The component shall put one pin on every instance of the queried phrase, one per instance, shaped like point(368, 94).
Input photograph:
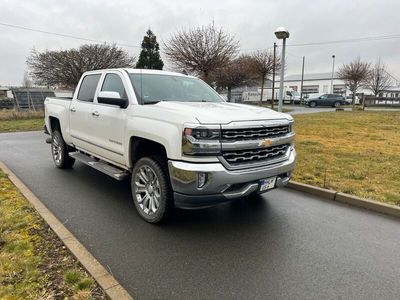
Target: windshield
point(151, 88)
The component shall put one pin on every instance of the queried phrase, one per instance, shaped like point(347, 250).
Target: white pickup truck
point(177, 140)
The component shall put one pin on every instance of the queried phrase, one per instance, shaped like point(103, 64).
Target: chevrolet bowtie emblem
point(265, 143)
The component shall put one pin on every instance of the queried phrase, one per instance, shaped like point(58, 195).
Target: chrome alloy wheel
point(56, 149)
point(147, 189)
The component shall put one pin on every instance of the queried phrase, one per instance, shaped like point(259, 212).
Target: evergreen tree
point(150, 55)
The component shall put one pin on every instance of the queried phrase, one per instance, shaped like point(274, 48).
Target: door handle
point(72, 109)
point(95, 113)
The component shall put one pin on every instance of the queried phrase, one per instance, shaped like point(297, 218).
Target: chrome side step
point(101, 166)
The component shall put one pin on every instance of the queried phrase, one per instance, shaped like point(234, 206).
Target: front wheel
point(59, 151)
point(151, 190)
point(313, 104)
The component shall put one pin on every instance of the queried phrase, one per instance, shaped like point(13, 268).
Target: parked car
point(177, 140)
point(334, 100)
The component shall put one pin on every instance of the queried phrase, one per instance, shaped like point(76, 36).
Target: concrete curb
point(106, 281)
point(376, 206)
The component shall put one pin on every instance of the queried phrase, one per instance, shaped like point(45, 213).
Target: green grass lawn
point(34, 263)
point(352, 152)
point(11, 120)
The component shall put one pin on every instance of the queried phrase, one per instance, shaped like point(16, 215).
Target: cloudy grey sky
point(252, 22)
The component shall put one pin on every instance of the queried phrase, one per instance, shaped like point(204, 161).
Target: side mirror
point(112, 98)
point(319, 97)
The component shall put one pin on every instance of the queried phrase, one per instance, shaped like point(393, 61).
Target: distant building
point(391, 92)
point(5, 92)
point(316, 83)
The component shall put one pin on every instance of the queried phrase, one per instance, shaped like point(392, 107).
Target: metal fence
point(31, 99)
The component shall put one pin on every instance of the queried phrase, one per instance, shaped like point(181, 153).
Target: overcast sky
point(252, 22)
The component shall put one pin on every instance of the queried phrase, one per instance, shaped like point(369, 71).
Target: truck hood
point(221, 113)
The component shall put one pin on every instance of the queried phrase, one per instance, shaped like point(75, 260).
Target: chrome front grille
point(255, 156)
point(254, 133)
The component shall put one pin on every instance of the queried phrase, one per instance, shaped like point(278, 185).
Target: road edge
point(369, 204)
point(106, 281)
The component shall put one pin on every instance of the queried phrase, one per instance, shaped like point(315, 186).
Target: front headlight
point(201, 140)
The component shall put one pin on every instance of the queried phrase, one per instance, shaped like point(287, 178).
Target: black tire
point(59, 151)
point(336, 104)
point(312, 104)
point(158, 189)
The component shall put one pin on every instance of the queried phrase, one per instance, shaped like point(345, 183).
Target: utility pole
point(273, 78)
point(302, 79)
point(333, 72)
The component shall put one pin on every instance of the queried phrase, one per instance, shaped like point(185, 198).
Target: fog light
point(201, 179)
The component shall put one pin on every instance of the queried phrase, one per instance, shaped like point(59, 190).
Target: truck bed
point(59, 98)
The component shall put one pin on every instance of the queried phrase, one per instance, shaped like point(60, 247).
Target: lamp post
point(333, 72)
point(282, 34)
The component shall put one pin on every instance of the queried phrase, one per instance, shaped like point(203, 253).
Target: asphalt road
point(288, 245)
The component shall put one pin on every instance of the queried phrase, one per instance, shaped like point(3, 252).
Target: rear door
point(331, 99)
point(80, 116)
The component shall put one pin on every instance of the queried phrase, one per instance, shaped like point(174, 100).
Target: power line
point(294, 55)
point(344, 41)
point(353, 40)
point(64, 35)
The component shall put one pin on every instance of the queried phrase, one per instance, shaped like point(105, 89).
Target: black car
point(334, 100)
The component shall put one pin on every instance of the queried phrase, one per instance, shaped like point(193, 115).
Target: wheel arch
point(141, 147)
point(54, 124)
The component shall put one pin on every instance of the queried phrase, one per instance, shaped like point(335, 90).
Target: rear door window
point(88, 87)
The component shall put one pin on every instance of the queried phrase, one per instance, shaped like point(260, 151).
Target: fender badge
point(265, 143)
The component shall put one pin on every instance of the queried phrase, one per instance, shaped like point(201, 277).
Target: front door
point(323, 100)
point(110, 121)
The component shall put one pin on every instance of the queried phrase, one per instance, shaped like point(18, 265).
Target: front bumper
point(221, 184)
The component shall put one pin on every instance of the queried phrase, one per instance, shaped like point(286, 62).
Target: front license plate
point(267, 184)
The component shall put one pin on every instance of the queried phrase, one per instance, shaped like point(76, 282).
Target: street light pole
point(282, 34)
point(282, 76)
point(333, 72)
point(302, 79)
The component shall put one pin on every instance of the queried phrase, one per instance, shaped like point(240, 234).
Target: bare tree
point(263, 66)
point(378, 79)
point(201, 50)
point(354, 74)
point(65, 67)
point(235, 73)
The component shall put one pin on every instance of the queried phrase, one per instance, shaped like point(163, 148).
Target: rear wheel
point(336, 104)
point(59, 151)
point(151, 190)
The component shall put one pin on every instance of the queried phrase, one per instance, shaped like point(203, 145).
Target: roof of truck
point(141, 71)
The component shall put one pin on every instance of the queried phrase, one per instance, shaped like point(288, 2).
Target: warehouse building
point(316, 83)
